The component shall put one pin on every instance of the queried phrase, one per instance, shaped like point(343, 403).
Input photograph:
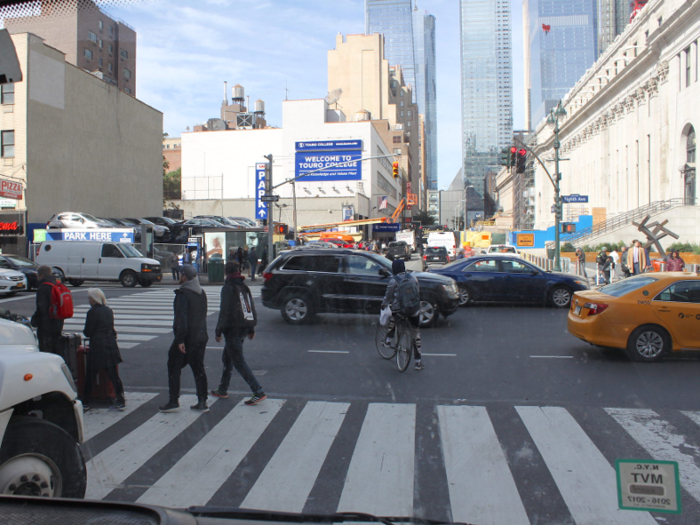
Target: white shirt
point(616, 257)
point(635, 257)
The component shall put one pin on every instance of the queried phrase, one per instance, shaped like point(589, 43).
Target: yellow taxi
point(649, 315)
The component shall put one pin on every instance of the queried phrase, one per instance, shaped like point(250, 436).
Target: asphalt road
point(496, 357)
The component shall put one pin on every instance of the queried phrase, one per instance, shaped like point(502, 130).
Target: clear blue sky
point(186, 50)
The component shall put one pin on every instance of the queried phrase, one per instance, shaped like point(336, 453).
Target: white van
point(446, 239)
point(79, 261)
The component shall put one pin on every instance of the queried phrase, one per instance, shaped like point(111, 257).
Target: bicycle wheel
point(387, 352)
point(405, 347)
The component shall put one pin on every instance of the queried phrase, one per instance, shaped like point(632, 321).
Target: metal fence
point(548, 264)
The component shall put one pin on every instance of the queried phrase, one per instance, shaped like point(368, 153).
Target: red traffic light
point(513, 149)
point(522, 152)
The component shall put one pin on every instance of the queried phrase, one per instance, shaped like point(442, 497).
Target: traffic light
point(282, 229)
point(558, 209)
point(505, 159)
point(395, 170)
point(513, 156)
point(567, 227)
point(522, 161)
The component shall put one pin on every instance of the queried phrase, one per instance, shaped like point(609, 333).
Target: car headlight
point(69, 377)
point(5, 278)
point(582, 283)
point(451, 288)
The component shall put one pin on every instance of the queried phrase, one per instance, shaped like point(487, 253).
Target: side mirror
point(384, 272)
point(535, 272)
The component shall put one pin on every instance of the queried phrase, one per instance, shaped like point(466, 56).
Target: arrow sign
point(269, 198)
point(262, 214)
point(260, 204)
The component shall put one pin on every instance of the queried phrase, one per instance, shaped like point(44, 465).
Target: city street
point(512, 420)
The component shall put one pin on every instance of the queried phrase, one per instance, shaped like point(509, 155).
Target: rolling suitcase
point(102, 390)
point(67, 348)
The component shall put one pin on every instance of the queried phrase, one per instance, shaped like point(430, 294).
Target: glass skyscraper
point(487, 89)
point(563, 45)
point(613, 18)
point(409, 41)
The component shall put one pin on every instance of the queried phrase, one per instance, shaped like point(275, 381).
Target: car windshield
point(90, 217)
point(436, 251)
point(22, 261)
point(130, 251)
point(626, 286)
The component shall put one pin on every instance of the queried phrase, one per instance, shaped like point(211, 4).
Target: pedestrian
point(624, 252)
point(246, 260)
point(239, 256)
point(608, 268)
point(637, 258)
point(231, 254)
point(460, 254)
point(616, 262)
point(190, 341)
point(675, 263)
point(48, 328)
point(601, 261)
point(581, 257)
point(237, 319)
point(103, 352)
point(263, 260)
point(175, 266)
point(253, 260)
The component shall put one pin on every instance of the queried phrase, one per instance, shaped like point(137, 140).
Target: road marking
point(552, 356)
point(110, 468)
point(128, 322)
point(128, 345)
point(199, 473)
point(133, 337)
point(329, 351)
point(126, 317)
point(291, 473)
point(662, 441)
point(470, 445)
point(438, 355)
point(381, 474)
point(585, 479)
point(100, 419)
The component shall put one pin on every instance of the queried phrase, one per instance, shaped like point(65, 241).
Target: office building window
point(397, 151)
point(397, 139)
point(408, 123)
point(101, 43)
point(111, 49)
point(409, 114)
point(402, 103)
point(111, 31)
point(87, 53)
point(687, 67)
point(102, 25)
point(100, 61)
point(92, 36)
point(109, 67)
point(123, 53)
point(401, 114)
point(8, 144)
point(8, 93)
point(127, 91)
point(127, 74)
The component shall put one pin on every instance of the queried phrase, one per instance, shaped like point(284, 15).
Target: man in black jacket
point(48, 329)
point(232, 325)
point(190, 342)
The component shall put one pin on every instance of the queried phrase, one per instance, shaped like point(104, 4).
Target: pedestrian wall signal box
point(567, 227)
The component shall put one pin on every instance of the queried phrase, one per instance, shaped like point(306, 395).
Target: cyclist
point(391, 299)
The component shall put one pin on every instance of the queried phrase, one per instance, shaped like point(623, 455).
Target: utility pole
point(294, 211)
point(270, 220)
point(553, 119)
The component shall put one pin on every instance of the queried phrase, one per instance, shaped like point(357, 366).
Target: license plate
point(435, 258)
point(20, 285)
point(158, 278)
point(577, 310)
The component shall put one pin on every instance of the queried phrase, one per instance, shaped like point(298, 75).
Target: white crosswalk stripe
point(378, 472)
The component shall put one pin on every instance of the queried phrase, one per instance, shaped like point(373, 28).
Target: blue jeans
point(232, 357)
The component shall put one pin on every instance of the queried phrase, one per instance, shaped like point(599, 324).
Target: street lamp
point(553, 120)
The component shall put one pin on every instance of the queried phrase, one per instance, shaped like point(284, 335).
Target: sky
point(277, 49)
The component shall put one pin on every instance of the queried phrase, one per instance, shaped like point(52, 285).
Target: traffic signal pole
point(270, 221)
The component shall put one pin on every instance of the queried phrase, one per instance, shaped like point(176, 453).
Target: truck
point(409, 237)
point(41, 420)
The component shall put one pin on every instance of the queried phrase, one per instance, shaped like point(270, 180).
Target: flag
point(383, 202)
point(546, 28)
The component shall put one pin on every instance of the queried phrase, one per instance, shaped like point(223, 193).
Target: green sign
point(648, 485)
point(39, 235)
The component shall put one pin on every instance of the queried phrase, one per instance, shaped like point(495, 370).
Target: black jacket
point(99, 328)
point(227, 317)
point(190, 322)
point(41, 319)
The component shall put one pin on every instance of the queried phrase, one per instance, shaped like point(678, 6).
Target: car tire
point(145, 284)
point(39, 458)
point(298, 309)
point(560, 297)
point(9, 294)
point(75, 282)
point(128, 279)
point(465, 295)
point(429, 313)
point(648, 344)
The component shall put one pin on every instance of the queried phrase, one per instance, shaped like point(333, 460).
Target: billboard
point(335, 158)
point(98, 234)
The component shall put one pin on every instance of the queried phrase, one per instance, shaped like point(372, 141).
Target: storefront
point(13, 238)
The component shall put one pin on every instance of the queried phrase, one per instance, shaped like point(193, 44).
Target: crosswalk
point(474, 464)
point(142, 316)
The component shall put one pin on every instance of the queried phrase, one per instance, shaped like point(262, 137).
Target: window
point(8, 144)
point(359, 265)
point(397, 139)
point(397, 151)
point(322, 263)
point(87, 53)
point(123, 53)
point(127, 74)
point(8, 94)
point(515, 267)
point(92, 36)
point(111, 30)
point(101, 43)
point(109, 67)
point(102, 25)
point(485, 265)
point(401, 114)
point(681, 292)
point(408, 123)
point(410, 114)
point(687, 67)
point(110, 250)
point(402, 103)
point(127, 91)
point(111, 49)
point(626, 286)
point(100, 61)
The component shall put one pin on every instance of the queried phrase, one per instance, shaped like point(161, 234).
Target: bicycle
point(400, 346)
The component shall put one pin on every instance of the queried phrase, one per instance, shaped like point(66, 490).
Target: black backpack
point(244, 315)
point(408, 295)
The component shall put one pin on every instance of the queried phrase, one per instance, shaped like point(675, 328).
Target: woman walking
point(103, 352)
point(675, 263)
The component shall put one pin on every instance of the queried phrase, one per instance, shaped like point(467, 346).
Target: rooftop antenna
point(286, 91)
point(333, 96)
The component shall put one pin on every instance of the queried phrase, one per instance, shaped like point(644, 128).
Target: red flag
point(546, 28)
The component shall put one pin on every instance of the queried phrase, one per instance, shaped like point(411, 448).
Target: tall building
point(487, 90)
point(90, 39)
point(563, 45)
point(424, 52)
point(613, 17)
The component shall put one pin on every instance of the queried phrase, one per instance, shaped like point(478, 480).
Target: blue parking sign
point(260, 207)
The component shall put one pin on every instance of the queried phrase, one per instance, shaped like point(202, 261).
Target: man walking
point(581, 256)
point(601, 262)
point(48, 329)
point(189, 344)
point(237, 319)
point(253, 260)
point(616, 262)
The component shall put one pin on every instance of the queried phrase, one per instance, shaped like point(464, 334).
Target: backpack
point(408, 296)
point(244, 315)
point(61, 302)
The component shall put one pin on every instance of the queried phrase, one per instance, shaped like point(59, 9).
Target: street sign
point(648, 485)
point(574, 198)
point(260, 205)
point(269, 198)
point(525, 239)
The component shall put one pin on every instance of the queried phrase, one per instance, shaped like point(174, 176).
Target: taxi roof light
point(595, 308)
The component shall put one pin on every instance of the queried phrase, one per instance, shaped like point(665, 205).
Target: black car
point(505, 278)
point(398, 250)
point(436, 255)
point(170, 224)
point(162, 233)
point(303, 283)
point(21, 264)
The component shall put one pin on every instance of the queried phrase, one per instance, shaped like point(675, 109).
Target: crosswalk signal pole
point(270, 222)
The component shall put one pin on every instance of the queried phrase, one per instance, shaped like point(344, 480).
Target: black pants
point(91, 375)
point(193, 356)
point(232, 357)
point(176, 272)
point(48, 341)
point(415, 322)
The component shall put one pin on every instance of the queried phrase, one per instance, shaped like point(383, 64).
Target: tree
point(424, 218)
point(172, 183)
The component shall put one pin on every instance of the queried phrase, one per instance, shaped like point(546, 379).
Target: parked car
point(79, 261)
point(510, 279)
point(169, 223)
point(436, 255)
point(182, 229)
point(303, 283)
point(122, 223)
point(161, 233)
point(221, 220)
point(11, 282)
point(21, 264)
point(71, 219)
point(249, 222)
point(398, 250)
point(503, 248)
point(650, 316)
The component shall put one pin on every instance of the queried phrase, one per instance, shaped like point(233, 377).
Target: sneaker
point(219, 393)
point(170, 406)
point(86, 407)
point(118, 404)
point(201, 407)
point(256, 399)
point(419, 365)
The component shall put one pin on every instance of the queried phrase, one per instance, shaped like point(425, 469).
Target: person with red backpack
point(54, 303)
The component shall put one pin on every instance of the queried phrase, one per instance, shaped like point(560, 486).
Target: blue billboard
point(332, 160)
point(260, 207)
point(386, 227)
point(104, 235)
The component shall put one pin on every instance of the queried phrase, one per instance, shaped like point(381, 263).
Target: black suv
point(303, 283)
point(398, 250)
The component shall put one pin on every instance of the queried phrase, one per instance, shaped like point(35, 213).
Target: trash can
point(216, 270)
point(550, 253)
